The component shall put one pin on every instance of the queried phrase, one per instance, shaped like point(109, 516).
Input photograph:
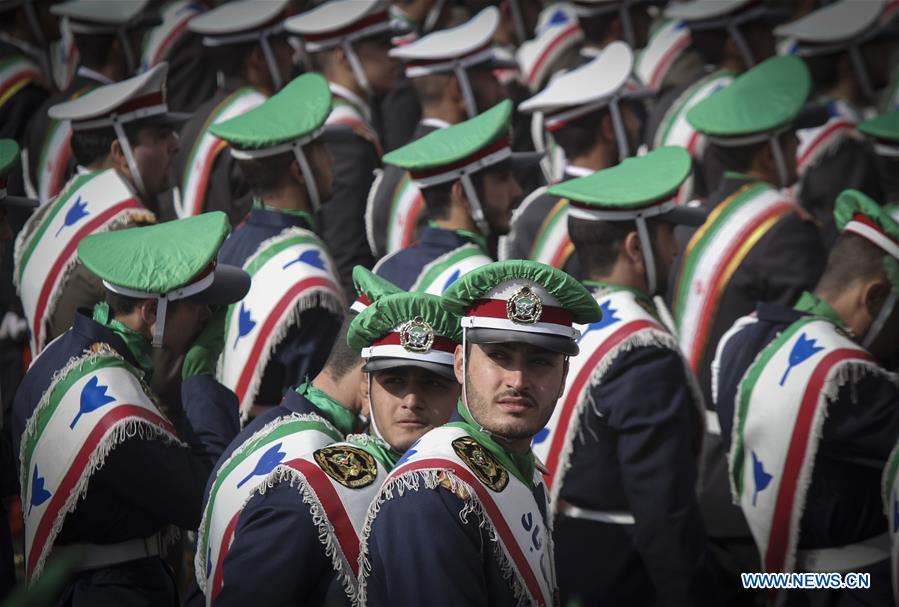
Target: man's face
point(183, 322)
point(499, 194)
point(319, 159)
point(512, 388)
point(154, 152)
point(283, 54)
point(407, 402)
point(486, 88)
point(379, 67)
point(665, 251)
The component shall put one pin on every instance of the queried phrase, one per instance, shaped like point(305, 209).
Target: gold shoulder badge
point(417, 336)
point(350, 466)
point(524, 307)
point(482, 463)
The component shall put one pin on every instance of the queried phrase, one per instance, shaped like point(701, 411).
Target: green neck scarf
point(812, 304)
point(342, 418)
point(386, 455)
point(608, 286)
point(307, 218)
point(139, 347)
point(477, 239)
point(522, 466)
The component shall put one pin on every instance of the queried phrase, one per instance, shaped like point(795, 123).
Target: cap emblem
point(524, 307)
point(417, 336)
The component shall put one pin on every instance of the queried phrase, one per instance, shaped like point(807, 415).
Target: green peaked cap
point(634, 183)
point(474, 285)
point(885, 127)
point(294, 113)
point(454, 143)
point(158, 258)
point(9, 156)
point(370, 287)
point(765, 98)
point(392, 311)
point(851, 203)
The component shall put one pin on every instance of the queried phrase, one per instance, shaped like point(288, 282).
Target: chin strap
point(356, 66)
point(130, 60)
point(861, 72)
point(270, 62)
point(371, 413)
point(433, 16)
point(477, 211)
point(648, 256)
point(624, 14)
point(880, 320)
point(518, 21)
point(779, 160)
point(471, 106)
point(311, 186)
point(621, 138)
point(742, 45)
point(129, 156)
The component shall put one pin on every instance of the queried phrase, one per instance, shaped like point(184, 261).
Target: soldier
point(843, 46)
point(304, 510)
point(250, 49)
point(283, 330)
point(473, 488)
point(757, 245)
point(809, 416)
point(731, 37)
point(593, 113)
point(85, 422)
point(452, 72)
point(465, 174)
point(350, 40)
point(629, 387)
point(124, 137)
point(883, 131)
point(607, 21)
point(107, 37)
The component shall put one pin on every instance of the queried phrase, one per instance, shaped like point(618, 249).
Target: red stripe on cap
point(426, 62)
point(443, 344)
point(874, 226)
point(502, 142)
point(496, 308)
point(349, 29)
point(139, 103)
point(363, 299)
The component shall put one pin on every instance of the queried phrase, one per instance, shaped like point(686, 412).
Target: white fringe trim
point(200, 556)
point(412, 481)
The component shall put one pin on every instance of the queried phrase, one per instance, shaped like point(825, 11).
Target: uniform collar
point(97, 332)
point(378, 448)
point(352, 98)
point(814, 305)
point(334, 411)
point(596, 286)
point(434, 234)
point(273, 217)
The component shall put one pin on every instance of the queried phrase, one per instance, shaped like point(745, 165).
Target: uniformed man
point(607, 21)
point(26, 29)
point(553, 48)
point(883, 133)
point(9, 160)
point(629, 387)
point(452, 72)
point(305, 509)
point(809, 415)
point(124, 137)
point(757, 245)
point(249, 48)
point(191, 82)
point(283, 329)
point(465, 174)
point(843, 45)
point(731, 37)
point(594, 114)
point(462, 518)
point(107, 36)
point(104, 466)
point(350, 42)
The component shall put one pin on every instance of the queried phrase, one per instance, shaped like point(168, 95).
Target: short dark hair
point(598, 242)
point(93, 145)
point(735, 158)
point(230, 59)
point(93, 49)
point(852, 258)
point(578, 136)
point(342, 358)
point(437, 197)
point(266, 175)
point(430, 88)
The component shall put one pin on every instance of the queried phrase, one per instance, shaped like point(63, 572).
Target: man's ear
point(606, 128)
point(632, 248)
point(296, 173)
point(147, 309)
point(255, 60)
point(117, 157)
point(567, 366)
point(874, 294)
point(457, 192)
point(458, 364)
point(364, 395)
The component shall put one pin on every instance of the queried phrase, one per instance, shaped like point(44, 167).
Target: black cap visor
point(553, 343)
point(18, 202)
point(383, 363)
point(229, 286)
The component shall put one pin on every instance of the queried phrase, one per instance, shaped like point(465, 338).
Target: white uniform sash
point(95, 403)
point(666, 43)
point(160, 40)
point(780, 407)
point(437, 276)
point(190, 199)
point(625, 324)
point(713, 255)
point(290, 273)
point(406, 206)
point(16, 73)
point(814, 143)
point(450, 457)
point(552, 244)
point(46, 249)
point(245, 471)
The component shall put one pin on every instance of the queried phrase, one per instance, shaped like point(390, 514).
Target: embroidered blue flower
point(453, 278)
point(39, 494)
point(608, 318)
point(271, 458)
point(540, 436)
point(761, 477)
point(803, 349)
point(245, 323)
point(557, 18)
point(76, 213)
point(310, 257)
point(93, 396)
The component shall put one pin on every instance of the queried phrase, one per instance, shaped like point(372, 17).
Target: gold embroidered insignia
point(524, 307)
point(488, 470)
point(349, 466)
point(417, 336)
